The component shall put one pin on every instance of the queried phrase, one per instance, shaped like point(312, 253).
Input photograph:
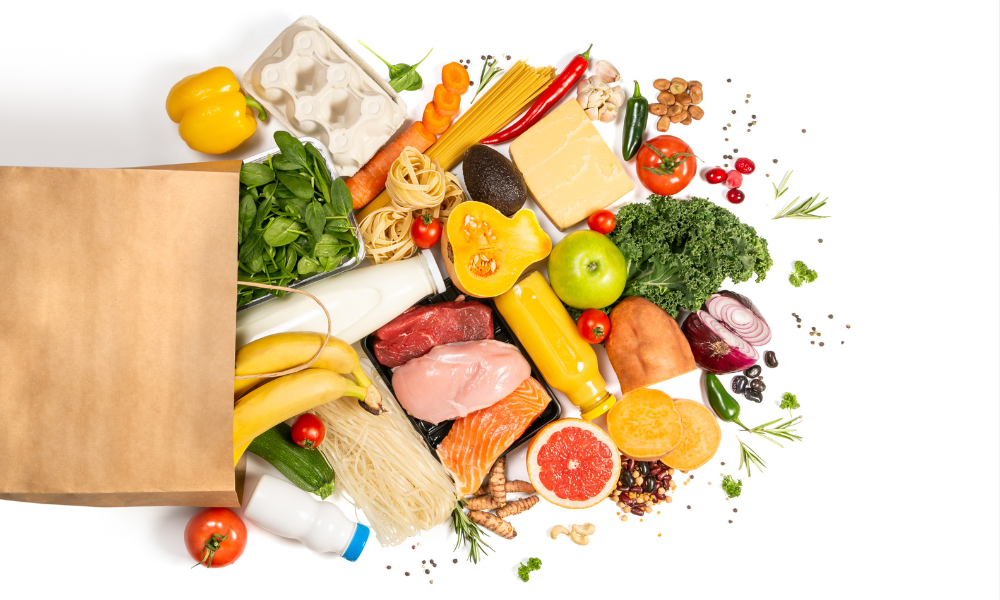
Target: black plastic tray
point(434, 433)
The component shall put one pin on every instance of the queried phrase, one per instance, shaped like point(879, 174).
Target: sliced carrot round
point(455, 77)
point(434, 121)
point(446, 102)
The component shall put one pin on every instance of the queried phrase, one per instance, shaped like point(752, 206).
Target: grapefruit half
point(573, 463)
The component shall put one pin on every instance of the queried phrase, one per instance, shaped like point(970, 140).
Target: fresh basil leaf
point(340, 198)
point(315, 219)
point(280, 163)
point(255, 174)
point(248, 210)
point(291, 148)
point(297, 184)
point(281, 231)
point(252, 247)
point(308, 266)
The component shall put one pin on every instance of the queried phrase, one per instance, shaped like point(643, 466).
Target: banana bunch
point(262, 403)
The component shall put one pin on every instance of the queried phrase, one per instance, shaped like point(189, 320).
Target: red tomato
point(665, 165)
point(594, 326)
point(308, 431)
point(215, 537)
point(602, 221)
point(426, 231)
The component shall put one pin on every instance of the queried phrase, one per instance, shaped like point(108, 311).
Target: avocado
point(492, 179)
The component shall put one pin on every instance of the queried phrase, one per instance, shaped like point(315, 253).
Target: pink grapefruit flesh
point(573, 463)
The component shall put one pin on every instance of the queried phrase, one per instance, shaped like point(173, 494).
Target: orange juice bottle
point(548, 333)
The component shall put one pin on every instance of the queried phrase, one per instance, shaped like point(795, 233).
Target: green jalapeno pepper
point(635, 123)
point(722, 403)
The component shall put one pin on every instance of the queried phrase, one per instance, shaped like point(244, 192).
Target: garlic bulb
point(598, 100)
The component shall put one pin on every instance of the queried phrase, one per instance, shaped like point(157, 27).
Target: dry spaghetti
point(416, 184)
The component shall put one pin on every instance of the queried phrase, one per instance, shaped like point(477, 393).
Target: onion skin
point(710, 351)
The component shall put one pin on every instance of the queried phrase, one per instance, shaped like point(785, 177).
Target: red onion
point(740, 316)
point(715, 347)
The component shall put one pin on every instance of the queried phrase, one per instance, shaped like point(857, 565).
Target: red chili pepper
point(552, 94)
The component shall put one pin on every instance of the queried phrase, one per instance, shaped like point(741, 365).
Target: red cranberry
point(716, 175)
point(745, 166)
point(734, 179)
point(735, 196)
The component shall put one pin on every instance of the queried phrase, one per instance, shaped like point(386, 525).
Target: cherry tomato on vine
point(665, 165)
point(215, 537)
point(594, 326)
point(308, 431)
point(426, 231)
point(602, 221)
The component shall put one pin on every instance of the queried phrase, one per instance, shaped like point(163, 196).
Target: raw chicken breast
point(453, 380)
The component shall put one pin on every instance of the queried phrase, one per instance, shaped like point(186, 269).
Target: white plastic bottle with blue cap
point(285, 510)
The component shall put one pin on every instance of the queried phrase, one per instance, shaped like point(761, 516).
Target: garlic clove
point(607, 72)
point(618, 93)
point(609, 113)
point(592, 113)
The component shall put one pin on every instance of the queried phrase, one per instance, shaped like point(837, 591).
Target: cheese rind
point(568, 167)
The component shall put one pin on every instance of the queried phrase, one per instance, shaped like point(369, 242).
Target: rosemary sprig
point(748, 457)
point(490, 70)
point(782, 431)
point(468, 532)
point(802, 210)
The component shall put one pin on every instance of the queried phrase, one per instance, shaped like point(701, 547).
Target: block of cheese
point(569, 169)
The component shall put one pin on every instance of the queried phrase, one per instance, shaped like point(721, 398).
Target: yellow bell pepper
point(214, 116)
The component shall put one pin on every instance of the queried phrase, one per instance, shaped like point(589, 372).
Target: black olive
point(770, 359)
point(754, 395)
point(643, 468)
point(649, 485)
point(739, 384)
point(757, 385)
point(626, 479)
point(752, 371)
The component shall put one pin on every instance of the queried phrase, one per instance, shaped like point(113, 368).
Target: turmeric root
point(493, 523)
point(517, 486)
point(484, 502)
point(497, 481)
point(483, 489)
point(517, 506)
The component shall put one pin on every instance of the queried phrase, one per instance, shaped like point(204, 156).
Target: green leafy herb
point(402, 76)
point(523, 572)
point(748, 457)
point(490, 70)
point(790, 402)
point(294, 220)
point(802, 210)
point(732, 487)
point(678, 252)
point(802, 274)
point(782, 431)
point(468, 532)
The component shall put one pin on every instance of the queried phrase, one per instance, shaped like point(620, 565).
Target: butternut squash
point(485, 252)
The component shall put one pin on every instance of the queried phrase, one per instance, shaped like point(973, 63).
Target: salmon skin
point(478, 439)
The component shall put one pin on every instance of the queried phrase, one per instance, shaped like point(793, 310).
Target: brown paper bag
point(117, 335)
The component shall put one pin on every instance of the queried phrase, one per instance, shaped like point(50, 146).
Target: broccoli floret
point(790, 402)
point(795, 280)
point(731, 486)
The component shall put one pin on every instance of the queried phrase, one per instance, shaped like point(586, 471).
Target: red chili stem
point(549, 98)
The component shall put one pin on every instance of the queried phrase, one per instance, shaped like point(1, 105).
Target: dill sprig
point(468, 532)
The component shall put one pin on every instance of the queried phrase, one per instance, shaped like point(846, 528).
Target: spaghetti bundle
point(386, 468)
point(416, 185)
point(501, 104)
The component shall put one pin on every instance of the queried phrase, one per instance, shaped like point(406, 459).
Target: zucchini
point(305, 468)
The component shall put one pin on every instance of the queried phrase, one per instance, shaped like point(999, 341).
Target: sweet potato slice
point(700, 440)
point(645, 345)
point(645, 424)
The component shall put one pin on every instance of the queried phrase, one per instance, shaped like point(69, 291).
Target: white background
point(893, 492)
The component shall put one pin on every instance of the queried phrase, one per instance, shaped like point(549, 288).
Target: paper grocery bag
point(117, 335)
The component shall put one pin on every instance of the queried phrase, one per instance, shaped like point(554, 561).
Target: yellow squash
point(282, 399)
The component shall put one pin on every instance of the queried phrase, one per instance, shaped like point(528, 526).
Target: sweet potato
point(645, 345)
point(645, 424)
point(700, 439)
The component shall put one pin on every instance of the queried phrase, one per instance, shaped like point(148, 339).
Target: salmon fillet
point(478, 439)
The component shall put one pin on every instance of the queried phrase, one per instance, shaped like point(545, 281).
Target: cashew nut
point(585, 529)
point(579, 538)
point(558, 529)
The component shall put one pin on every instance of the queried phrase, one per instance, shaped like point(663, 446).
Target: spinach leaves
point(402, 76)
point(294, 219)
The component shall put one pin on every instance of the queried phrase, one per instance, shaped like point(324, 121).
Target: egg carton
point(310, 81)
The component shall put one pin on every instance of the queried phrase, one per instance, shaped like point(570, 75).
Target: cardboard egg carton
point(316, 86)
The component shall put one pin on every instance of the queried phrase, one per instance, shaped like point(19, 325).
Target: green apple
point(586, 270)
